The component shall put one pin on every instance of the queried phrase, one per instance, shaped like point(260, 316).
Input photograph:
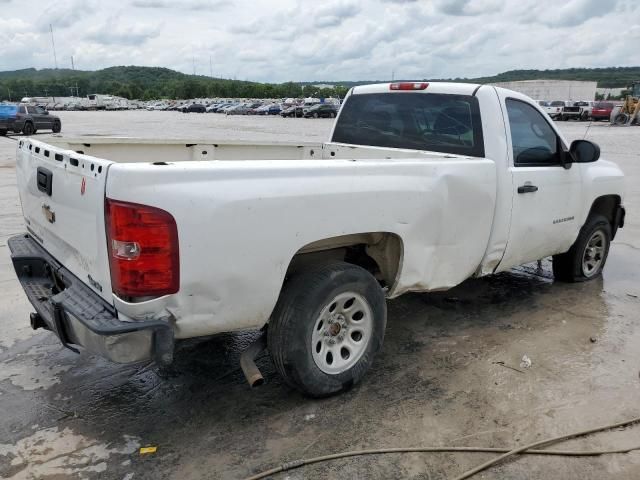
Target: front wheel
point(57, 126)
point(315, 115)
point(326, 328)
point(587, 256)
point(28, 129)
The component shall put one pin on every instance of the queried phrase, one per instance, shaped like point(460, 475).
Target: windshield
point(418, 121)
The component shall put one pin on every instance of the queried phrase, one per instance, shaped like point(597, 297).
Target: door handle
point(527, 189)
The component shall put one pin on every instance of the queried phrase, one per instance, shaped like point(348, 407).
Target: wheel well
point(380, 253)
point(606, 206)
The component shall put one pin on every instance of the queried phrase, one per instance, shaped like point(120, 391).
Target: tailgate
point(62, 195)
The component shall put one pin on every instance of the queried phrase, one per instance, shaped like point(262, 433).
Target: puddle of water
point(53, 453)
point(34, 369)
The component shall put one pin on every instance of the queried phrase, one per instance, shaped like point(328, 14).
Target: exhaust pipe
point(247, 361)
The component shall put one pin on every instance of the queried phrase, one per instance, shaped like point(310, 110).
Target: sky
point(304, 40)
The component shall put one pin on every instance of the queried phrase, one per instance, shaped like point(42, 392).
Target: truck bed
point(240, 223)
point(147, 150)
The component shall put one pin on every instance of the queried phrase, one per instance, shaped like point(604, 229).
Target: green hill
point(136, 82)
point(153, 82)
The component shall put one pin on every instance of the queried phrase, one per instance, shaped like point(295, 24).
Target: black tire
point(621, 119)
point(298, 313)
point(315, 115)
point(568, 267)
point(3, 133)
point(57, 126)
point(331, 115)
point(28, 129)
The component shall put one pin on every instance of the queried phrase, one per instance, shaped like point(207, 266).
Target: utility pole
point(210, 67)
point(392, 75)
point(53, 44)
point(194, 66)
point(72, 66)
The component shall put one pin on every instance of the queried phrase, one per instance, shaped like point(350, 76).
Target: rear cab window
point(435, 122)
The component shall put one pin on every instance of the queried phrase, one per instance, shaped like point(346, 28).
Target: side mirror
point(584, 151)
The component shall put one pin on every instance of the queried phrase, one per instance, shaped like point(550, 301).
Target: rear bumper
point(80, 317)
point(11, 124)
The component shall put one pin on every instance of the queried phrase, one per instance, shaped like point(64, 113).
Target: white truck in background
point(577, 111)
point(553, 109)
point(133, 244)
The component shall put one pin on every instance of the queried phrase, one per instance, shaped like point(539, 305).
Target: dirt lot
point(438, 381)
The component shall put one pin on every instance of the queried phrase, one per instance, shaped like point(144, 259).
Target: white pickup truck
point(133, 244)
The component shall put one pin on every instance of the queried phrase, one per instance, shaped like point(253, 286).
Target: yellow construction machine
point(629, 112)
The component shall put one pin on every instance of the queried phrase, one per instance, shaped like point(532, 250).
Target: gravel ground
point(437, 382)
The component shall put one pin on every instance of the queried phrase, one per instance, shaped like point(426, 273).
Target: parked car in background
point(552, 108)
point(27, 119)
point(294, 111)
point(324, 110)
point(226, 107)
point(242, 109)
point(602, 111)
point(577, 111)
point(274, 109)
point(195, 108)
point(259, 110)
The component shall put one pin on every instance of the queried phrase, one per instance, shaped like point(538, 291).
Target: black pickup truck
point(27, 119)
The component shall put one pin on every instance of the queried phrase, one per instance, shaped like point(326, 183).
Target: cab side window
point(535, 144)
point(32, 110)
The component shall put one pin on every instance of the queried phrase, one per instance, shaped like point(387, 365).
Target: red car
point(602, 111)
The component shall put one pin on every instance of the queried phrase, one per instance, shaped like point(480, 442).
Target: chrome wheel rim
point(341, 333)
point(593, 254)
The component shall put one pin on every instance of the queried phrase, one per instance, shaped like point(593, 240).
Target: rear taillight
point(143, 250)
point(408, 86)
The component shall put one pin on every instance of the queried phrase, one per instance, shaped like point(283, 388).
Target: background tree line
point(146, 83)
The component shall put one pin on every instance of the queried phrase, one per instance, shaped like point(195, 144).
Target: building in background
point(550, 90)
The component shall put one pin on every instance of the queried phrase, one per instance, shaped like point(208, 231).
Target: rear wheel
point(315, 115)
point(3, 133)
point(331, 115)
point(587, 256)
point(28, 129)
point(57, 126)
point(326, 328)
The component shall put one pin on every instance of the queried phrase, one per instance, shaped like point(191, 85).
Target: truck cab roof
point(431, 87)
